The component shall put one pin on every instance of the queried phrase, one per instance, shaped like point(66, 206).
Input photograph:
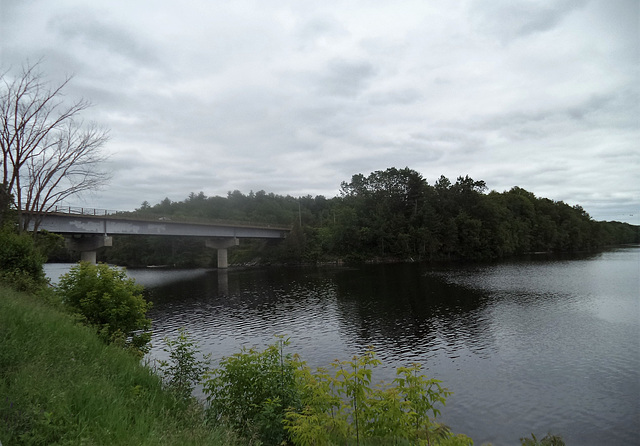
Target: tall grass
point(59, 384)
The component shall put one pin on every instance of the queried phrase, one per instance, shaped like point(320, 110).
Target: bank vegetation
point(61, 384)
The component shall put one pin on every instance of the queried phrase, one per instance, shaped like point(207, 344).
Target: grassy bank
point(59, 384)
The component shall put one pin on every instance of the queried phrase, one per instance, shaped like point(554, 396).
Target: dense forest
point(393, 214)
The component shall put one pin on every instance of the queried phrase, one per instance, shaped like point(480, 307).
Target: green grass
point(59, 384)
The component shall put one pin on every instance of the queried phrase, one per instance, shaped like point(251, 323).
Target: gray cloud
point(96, 34)
point(518, 19)
point(294, 98)
point(396, 97)
point(345, 78)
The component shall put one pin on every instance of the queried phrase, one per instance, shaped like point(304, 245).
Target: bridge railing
point(83, 211)
point(134, 215)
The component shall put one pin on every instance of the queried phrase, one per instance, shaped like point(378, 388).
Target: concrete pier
point(222, 244)
point(88, 245)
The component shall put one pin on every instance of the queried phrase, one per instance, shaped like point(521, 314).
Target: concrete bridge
point(87, 230)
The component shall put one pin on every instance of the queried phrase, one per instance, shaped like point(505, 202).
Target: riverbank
point(59, 384)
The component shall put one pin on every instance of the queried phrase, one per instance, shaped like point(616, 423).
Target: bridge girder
point(86, 233)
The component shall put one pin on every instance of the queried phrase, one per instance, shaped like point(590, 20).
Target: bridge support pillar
point(88, 245)
point(88, 256)
point(222, 244)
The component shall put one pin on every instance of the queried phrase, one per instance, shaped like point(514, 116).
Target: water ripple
point(524, 346)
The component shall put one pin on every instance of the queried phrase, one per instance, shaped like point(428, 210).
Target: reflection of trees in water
point(400, 309)
point(252, 302)
point(409, 312)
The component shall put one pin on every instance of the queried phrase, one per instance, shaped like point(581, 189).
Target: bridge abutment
point(221, 245)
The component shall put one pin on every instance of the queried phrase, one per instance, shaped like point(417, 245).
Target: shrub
point(251, 390)
point(107, 299)
point(344, 407)
point(277, 398)
point(183, 370)
point(548, 440)
point(20, 261)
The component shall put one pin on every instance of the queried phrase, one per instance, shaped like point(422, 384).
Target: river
point(538, 345)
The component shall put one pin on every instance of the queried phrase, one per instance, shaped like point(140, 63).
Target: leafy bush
point(344, 408)
point(183, 370)
point(276, 397)
point(107, 299)
point(20, 261)
point(251, 390)
point(548, 440)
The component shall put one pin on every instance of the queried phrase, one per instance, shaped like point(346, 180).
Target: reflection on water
point(531, 346)
point(409, 314)
point(149, 277)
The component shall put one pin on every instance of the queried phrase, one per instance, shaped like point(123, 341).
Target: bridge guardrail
point(133, 215)
point(83, 211)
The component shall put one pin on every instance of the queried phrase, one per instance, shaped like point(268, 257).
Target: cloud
point(518, 19)
point(317, 32)
point(345, 78)
point(295, 97)
point(84, 30)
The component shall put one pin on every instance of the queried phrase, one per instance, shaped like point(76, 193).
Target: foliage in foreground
point(184, 369)
point(59, 384)
point(275, 397)
point(21, 254)
point(20, 260)
point(107, 299)
point(548, 440)
point(251, 390)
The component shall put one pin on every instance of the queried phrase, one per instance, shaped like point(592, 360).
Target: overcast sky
point(294, 97)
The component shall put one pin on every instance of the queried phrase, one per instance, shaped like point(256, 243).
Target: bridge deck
point(65, 223)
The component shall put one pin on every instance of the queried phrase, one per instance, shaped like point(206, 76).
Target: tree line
point(394, 214)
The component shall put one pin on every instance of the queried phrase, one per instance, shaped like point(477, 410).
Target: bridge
point(86, 230)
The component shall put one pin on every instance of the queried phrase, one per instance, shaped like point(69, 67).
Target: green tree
point(22, 256)
point(20, 260)
point(6, 203)
point(389, 214)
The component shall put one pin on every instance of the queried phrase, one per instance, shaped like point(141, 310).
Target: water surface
point(527, 346)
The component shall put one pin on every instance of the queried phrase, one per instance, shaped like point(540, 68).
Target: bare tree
point(47, 152)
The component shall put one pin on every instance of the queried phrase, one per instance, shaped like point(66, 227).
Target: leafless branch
point(47, 153)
